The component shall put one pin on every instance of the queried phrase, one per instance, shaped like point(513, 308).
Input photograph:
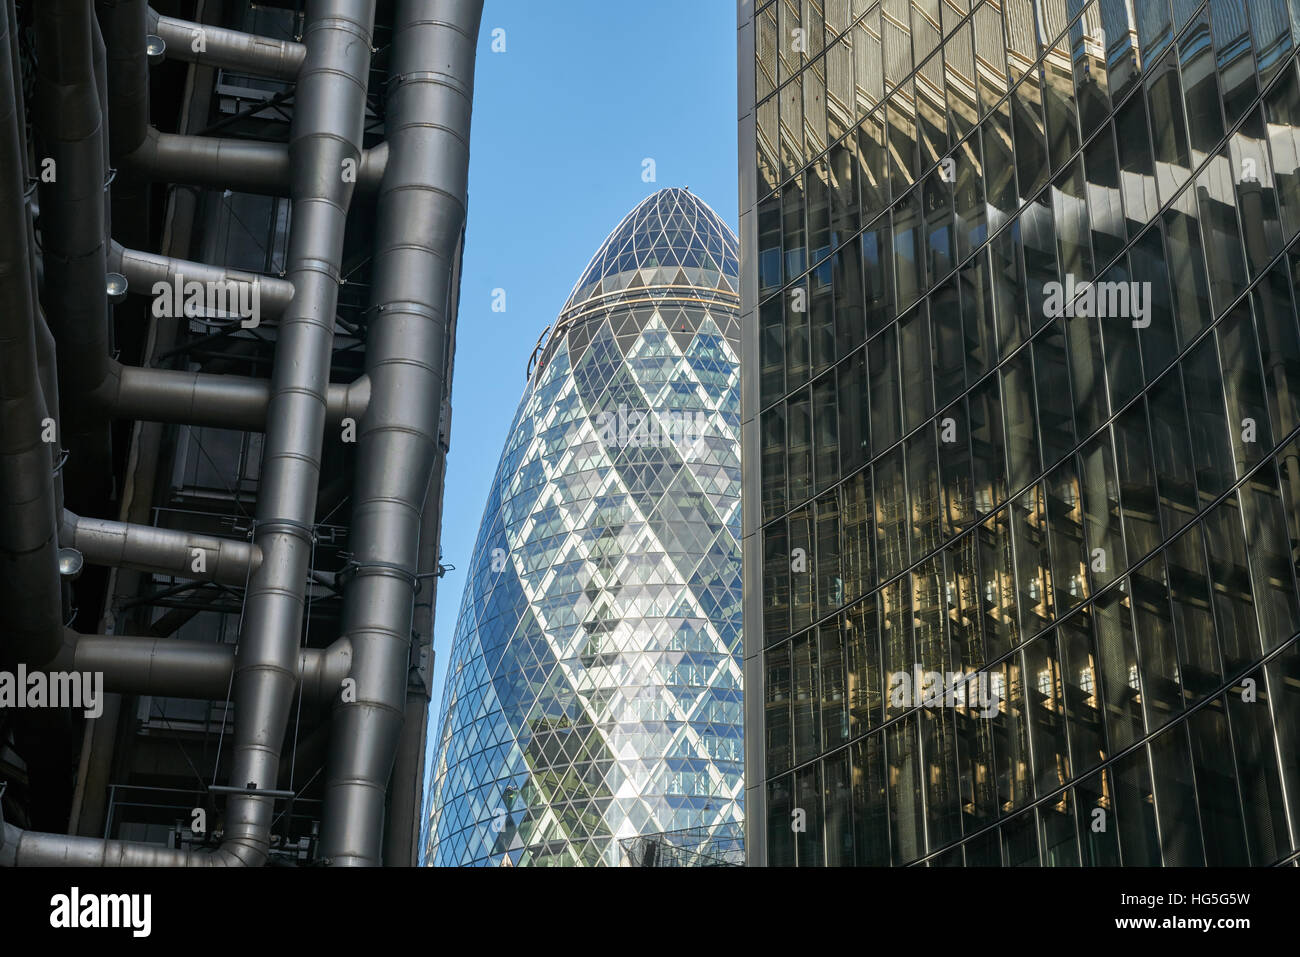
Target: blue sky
point(563, 119)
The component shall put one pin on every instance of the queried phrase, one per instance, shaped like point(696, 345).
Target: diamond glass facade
point(964, 458)
point(594, 688)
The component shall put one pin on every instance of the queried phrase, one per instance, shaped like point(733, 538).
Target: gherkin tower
point(593, 692)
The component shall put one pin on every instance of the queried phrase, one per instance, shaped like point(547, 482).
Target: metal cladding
point(594, 688)
point(93, 112)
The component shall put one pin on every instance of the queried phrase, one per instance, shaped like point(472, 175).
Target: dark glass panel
point(1137, 481)
point(1201, 89)
point(850, 319)
point(1031, 146)
point(769, 245)
point(803, 563)
point(826, 435)
point(1105, 206)
point(949, 346)
point(909, 251)
point(1180, 831)
point(906, 809)
point(1098, 831)
point(882, 376)
point(834, 703)
point(1256, 196)
point(1282, 111)
point(854, 419)
point(837, 794)
point(961, 598)
point(772, 350)
point(806, 701)
point(830, 581)
point(862, 651)
point(1045, 699)
point(871, 817)
point(999, 166)
point(773, 463)
point(891, 513)
point(979, 317)
point(1135, 809)
point(1229, 21)
point(1081, 670)
point(1052, 378)
point(955, 470)
point(1243, 384)
point(1175, 475)
point(1270, 560)
point(1159, 337)
point(780, 834)
point(776, 582)
point(914, 348)
point(1216, 787)
point(923, 484)
point(809, 849)
point(1257, 773)
point(1168, 127)
point(877, 273)
point(1279, 348)
point(1107, 556)
point(1065, 517)
point(1187, 274)
point(856, 510)
point(1223, 255)
point(1021, 295)
point(799, 454)
point(1234, 600)
point(1033, 559)
point(1090, 87)
point(1021, 422)
point(1193, 615)
point(779, 746)
point(1138, 179)
point(997, 585)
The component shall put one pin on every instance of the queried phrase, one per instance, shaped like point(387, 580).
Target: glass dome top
point(672, 238)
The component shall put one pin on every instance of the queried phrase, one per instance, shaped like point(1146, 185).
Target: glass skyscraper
point(1021, 395)
point(593, 692)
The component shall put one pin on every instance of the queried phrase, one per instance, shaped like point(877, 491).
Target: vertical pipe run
point(30, 589)
point(420, 214)
point(325, 148)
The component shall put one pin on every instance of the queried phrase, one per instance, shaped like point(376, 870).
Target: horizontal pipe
point(216, 401)
point(163, 550)
point(228, 49)
point(143, 270)
point(245, 166)
point(176, 668)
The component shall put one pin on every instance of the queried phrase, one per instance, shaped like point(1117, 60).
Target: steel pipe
point(162, 550)
point(245, 166)
point(214, 401)
point(143, 270)
point(228, 49)
point(420, 215)
point(30, 590)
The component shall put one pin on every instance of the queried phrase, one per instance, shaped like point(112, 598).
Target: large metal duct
point(216, 401)
point(326, 136)
point(30, 590)
point(420, 214)
point(143, 269)
point(228, 49)
point(163, 550)
point(71, 136)
point(246, 166)
point(190, 669)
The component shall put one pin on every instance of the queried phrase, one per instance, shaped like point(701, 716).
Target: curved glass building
point(1038, 428)
point(594, 689)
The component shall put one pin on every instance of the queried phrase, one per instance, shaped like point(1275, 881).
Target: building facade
point(593, 692)
point(1022, 475)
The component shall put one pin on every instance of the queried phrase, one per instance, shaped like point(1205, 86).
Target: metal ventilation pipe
point(217, 401)
point(143, 269)
point(162, 550)
point(325, 141)
point(72, 228)
point(30, 590)
point(246, 166)
point(421, 210)
point(228, 49)
point(190, 669)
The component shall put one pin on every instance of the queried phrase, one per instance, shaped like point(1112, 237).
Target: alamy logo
point(950, 689)
point(75, 910)
point(230, 299)
point(54, 689)
point(1100, 300)
point(645, 430)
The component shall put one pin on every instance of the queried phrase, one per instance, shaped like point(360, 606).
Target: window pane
point(1180, 832)
point(779, 749)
